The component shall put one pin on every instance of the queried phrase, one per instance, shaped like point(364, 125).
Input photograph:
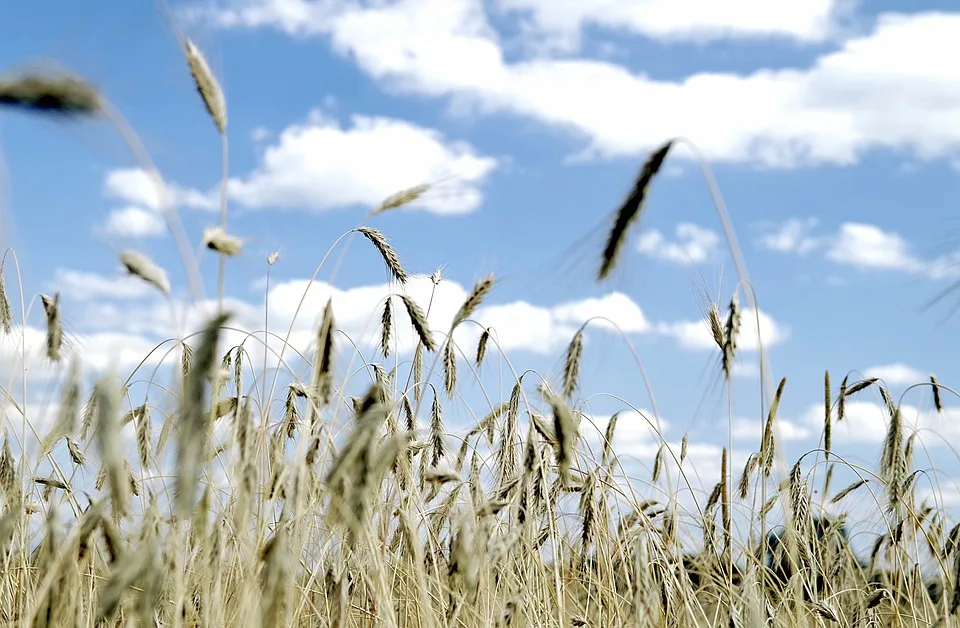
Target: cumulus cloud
point(681, 19)
point(320, 165)
point(696, 335)
point(112, 311)
point(793, 236)
point(862, 246)
point(831, 111)
point(87, 286)
point(897, 374)
point(694, 244)
point(869, 247)
point(134, 222)
point(137, 187)
point(865, 422)
point(752, 430)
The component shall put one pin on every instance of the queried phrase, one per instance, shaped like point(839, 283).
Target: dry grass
point(339, 509)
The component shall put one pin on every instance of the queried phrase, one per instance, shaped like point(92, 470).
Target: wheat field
point(350, 505)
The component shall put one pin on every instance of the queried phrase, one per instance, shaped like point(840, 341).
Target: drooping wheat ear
point(401, 198)
point(194, 418)
point(218, 240)
point(657, 465)
point(937, 402)
point(714, 497)
point(186, 358)
point(482, 345)
point(141, 266)
point(51, 306)
point(449, 368)
point(842, 400)
point(70, 401)
point(419, 321)
point(566, 429)
point(386, 323)
point(847, 490)
point(507, 454)
point(827, 415)
point(893, 465)
point(417, 369)
point(768, 442)
point(730, 333)
point(607, 451)
point(76, 454)
point(144, 436)
point(743, 486)
point(571, 366)
point(799, 498)
point(207, 85)
point(716, 325)
point(108, 440)
point(437, 443)
point(66, 94)
point(130, 569)
point(725, 501)
point(349, 479)
point(480, 290)
point(6, 312)
point(389, 256)
point(321, 384)
point(630, 210)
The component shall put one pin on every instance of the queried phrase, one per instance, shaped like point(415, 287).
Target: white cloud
point(134, 222)
point(752, 430)
point(897, 374)
point(869, 94)
point(86, 286)
point(616, 308)
point(634, 434)
point(866, 422)
point(319, 165)
point(137, 187)
point(694, 244)
point(696, 334)
point(869, 247)
point(791, 237)
point(681, 19)
point(860, 245)
point(516, 326)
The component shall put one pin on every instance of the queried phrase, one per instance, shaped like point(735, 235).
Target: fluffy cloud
point(681, 19)
point(694, 244)
point(793, 236)
point(867, 246)
point(897, 374)
point(865, 422)
point(859, 245)
point(752, 429)
point(319, 165)
point(86, 286)
point(138, 188)
point(832, 111)
point(696, 335)
point(134, 222)
point(118, 315)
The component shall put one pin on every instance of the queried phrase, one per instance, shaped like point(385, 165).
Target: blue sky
point(833, 128)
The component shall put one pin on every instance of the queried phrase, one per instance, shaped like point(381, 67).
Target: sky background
point(832, 127)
